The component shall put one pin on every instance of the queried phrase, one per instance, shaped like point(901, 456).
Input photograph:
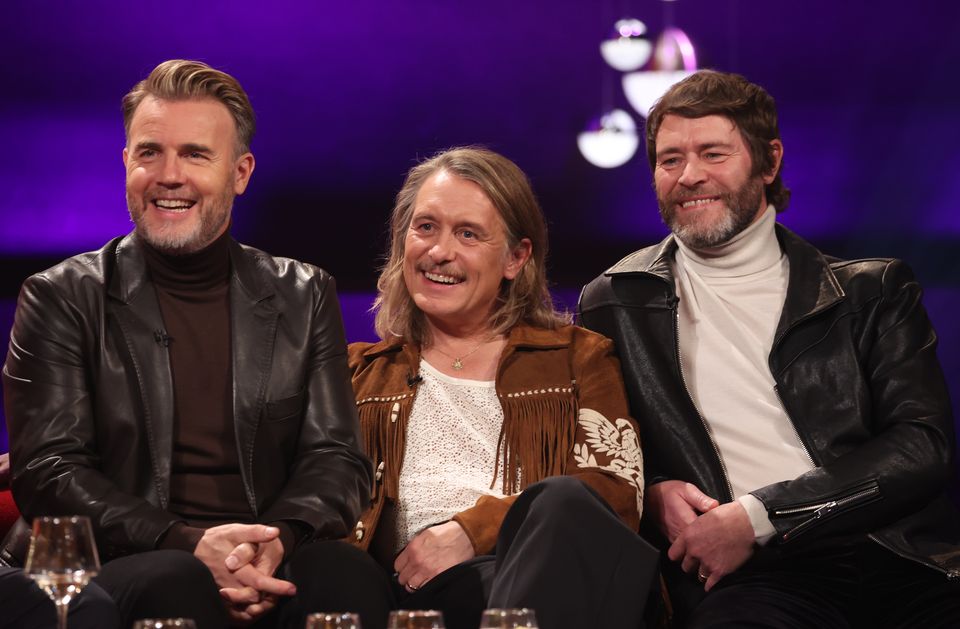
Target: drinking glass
point(508, 619)
point(415, 619)
point(62, 559)
point(165, 623)
point(333, 620)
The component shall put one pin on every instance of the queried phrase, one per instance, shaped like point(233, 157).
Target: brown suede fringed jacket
point(564, 413)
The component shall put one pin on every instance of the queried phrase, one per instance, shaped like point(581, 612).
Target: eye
point(146, 153)
point(196, 155)
point(714, 156)
point(424, 228)
point(468, 234)
point(669, 163)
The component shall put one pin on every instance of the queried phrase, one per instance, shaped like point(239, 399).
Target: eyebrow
point(183, 148)
point(670, 150)
point(428, 216)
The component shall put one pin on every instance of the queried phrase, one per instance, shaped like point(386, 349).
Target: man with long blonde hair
point(493, 424)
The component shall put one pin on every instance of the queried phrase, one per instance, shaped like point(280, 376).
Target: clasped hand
point(709, 539)
point(242, 559)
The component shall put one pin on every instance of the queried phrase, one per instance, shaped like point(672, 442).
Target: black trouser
point(856, 584)
point(561, 551)
point(174, 583)
point(25, 606)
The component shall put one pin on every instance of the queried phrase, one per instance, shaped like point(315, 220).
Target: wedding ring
point(412, 588)
point(702, 577)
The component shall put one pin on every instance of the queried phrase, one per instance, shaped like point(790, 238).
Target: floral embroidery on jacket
point(619, 442)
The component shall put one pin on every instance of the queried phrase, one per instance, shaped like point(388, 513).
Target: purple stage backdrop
point(350, 95)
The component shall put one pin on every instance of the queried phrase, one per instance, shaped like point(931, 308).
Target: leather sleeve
point(53, 431)
point(329, 473)
point(901, 431)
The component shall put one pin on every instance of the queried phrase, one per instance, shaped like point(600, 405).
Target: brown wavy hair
point(182, 79)
point(747, 105)
point(525, 298)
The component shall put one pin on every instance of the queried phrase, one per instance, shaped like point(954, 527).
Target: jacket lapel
point(134, 304)
point(253, 334)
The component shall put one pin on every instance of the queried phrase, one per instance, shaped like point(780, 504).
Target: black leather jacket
point(89, 397)
point(855, 367)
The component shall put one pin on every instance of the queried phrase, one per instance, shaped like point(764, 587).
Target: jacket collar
point(131, 271)
point(812, 286)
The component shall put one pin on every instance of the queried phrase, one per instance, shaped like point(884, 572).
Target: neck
point(471, 353)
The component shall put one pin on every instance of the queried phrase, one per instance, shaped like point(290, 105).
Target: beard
point(704, 231)
point(182, 239)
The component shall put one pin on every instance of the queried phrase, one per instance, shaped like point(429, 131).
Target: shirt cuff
point(763, 530)
point(180, 536)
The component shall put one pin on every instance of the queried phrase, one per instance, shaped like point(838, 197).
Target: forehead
point(204, 121)
point(447, 196)
point(677, 132)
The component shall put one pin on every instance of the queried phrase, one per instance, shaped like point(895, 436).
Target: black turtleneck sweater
point(205, 484)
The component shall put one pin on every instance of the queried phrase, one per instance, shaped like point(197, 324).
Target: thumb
point(699, 500)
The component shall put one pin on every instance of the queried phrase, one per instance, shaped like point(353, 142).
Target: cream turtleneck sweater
point(731, 298)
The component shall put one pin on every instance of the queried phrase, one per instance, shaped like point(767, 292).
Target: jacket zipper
point(952, 575)
point(821, 510)
point(683, 381)
point(803, 443)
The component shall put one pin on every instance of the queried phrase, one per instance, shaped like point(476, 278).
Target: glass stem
point(62, 609)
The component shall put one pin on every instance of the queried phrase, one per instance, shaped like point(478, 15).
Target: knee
point(563, 493)
point(343, 565)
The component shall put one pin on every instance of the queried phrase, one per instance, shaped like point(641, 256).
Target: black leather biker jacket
point(855, 365)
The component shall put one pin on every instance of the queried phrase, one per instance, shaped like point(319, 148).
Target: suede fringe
point(537, 436)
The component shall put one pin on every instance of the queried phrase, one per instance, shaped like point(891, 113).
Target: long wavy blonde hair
point(525, 298)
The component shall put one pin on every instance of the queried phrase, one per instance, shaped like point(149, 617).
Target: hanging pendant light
point(609, 140)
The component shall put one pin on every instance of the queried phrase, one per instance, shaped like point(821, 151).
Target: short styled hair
point(525, 298)
point(748, 106)
point(182, 79)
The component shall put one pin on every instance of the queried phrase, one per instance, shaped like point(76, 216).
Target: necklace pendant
point(457, 364)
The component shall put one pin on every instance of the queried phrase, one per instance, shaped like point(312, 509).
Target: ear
point(516, 258)
point(776, 152)
point(126, 156)
point(242, 171)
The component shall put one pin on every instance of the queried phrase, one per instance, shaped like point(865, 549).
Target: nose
point(442, 249)
point(693, 173)
point(172, 173)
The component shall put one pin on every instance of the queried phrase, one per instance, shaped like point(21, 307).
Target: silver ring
point(412, 588)
point(702, 577)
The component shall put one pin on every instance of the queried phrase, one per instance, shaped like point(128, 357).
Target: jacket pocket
point(287, 408)
point(811, 515)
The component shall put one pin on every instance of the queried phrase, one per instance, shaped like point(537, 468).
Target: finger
point(712, 580)
point(690, 565)
point(401, 561)
point(678, 549)
point(259, 533)
point(241, 556)
point(697, 499)
point(240, 596)
point(250, 576)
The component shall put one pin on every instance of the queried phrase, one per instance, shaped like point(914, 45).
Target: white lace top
point(451, 451)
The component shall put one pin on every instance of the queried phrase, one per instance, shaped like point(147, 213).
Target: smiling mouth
point(440, 278)
point(177, 206)
point(690, 204)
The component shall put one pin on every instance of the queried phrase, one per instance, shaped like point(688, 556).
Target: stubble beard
point(172, 239)
point(742, 206)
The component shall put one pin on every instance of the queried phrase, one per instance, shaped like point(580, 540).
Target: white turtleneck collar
point(753, 250)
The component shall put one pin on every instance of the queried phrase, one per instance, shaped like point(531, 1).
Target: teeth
point(696, 202)
point(174, 205)
point(443, 279)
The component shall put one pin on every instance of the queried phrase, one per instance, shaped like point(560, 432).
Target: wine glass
point(164, 623)
point(415, 619)
point(508, 619)
point(333, 620)
point(62, 559)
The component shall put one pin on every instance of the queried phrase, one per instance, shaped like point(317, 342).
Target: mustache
point(440, 269)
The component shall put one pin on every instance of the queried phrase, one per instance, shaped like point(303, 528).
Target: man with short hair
point(797, 429)
point(187, 393)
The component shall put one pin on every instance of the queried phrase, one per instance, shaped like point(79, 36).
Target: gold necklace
point(458, 360)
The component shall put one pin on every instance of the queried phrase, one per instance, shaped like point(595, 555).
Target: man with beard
point(796, 425)
point(187, 393)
